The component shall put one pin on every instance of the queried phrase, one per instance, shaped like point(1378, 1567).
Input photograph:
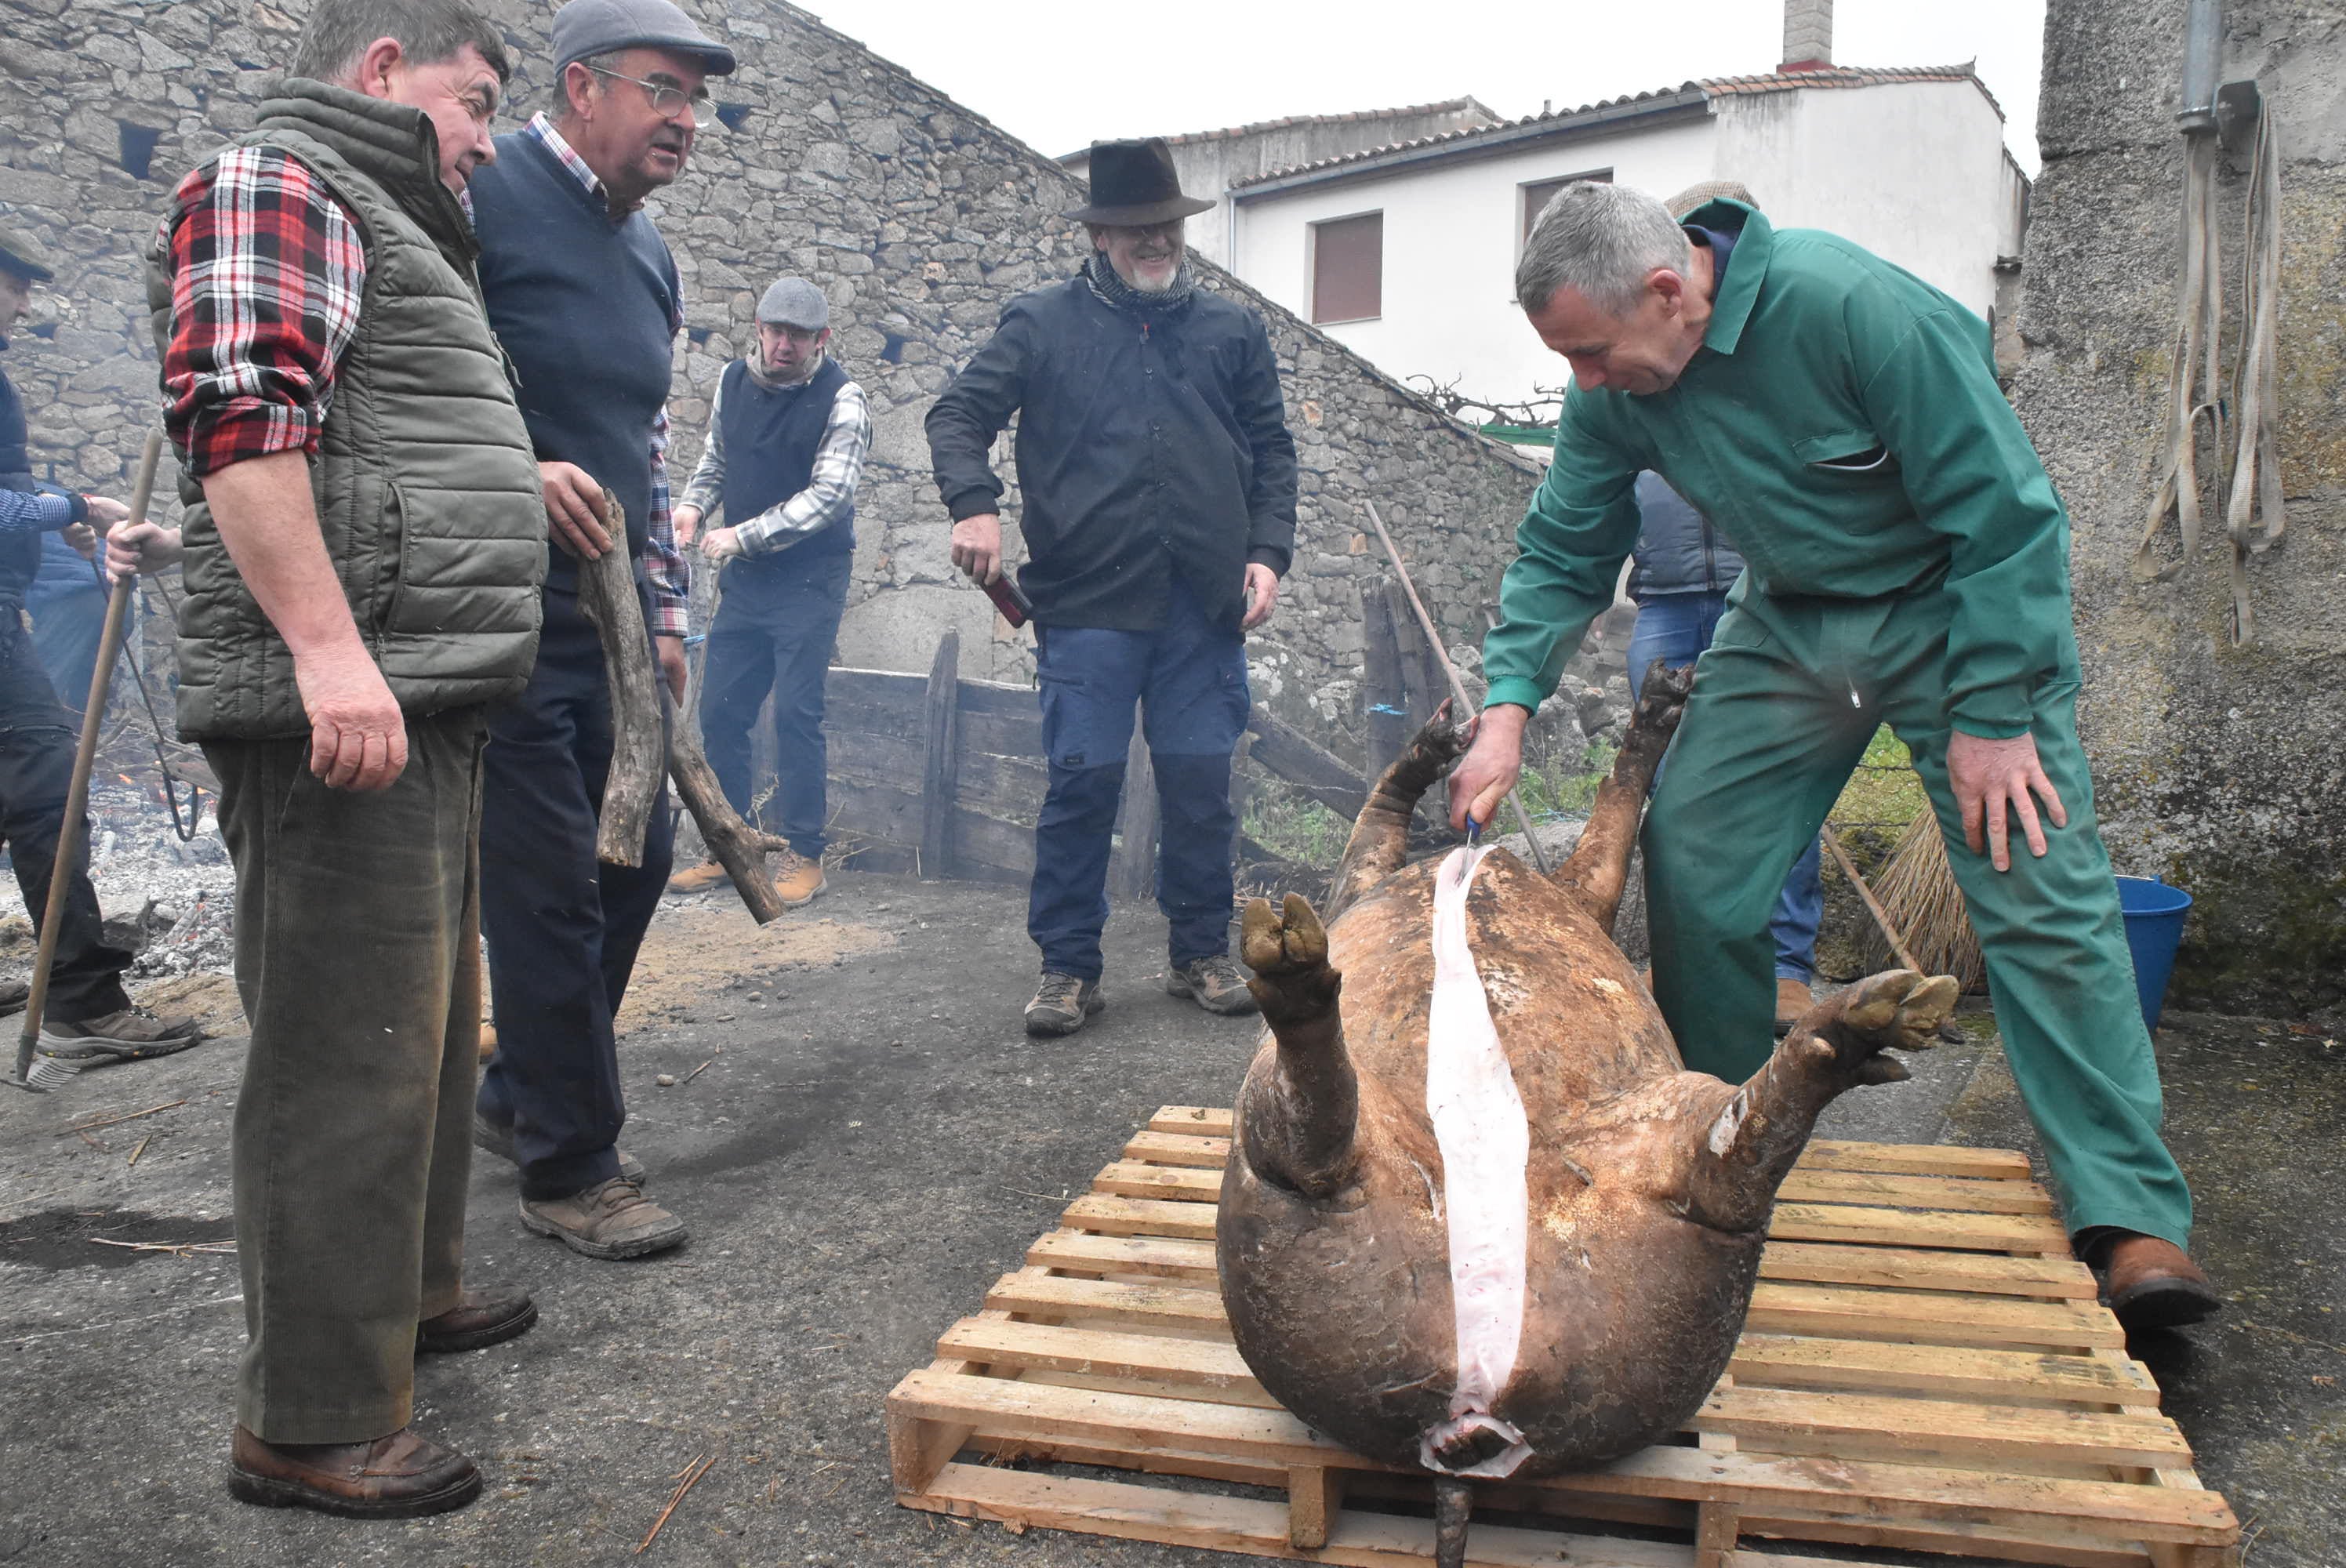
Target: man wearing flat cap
point(787, 431)
point(1159, 484)
point(583, 293)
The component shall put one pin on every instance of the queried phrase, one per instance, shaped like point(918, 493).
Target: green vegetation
point(1293, 826)
point(1886, 791)
point(1556, 788)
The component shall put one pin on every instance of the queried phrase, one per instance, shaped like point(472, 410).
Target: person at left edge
point(87, 1016)
point(585, 296)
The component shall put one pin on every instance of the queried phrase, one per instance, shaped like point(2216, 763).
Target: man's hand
point(686, 519)
point(721, 544)
point(1491, 766)
point(104, 513)
point(574, 509)
point(81, 539)
point(977, 546)
point(1263, 584)
point(1994, 779)
point(145, 549)
point(669, 652)
point(358, 740)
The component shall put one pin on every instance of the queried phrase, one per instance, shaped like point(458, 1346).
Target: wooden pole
point(1457, 687)
point(1881, 915)
point(740, 849)
point(941, 757)
point(73, 836)
point(607, 595)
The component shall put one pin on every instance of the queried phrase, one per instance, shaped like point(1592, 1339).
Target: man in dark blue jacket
point(1159, 479)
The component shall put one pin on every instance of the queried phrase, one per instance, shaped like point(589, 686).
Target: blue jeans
point(1675, 628)
point(774, 631)
point(1190, 678)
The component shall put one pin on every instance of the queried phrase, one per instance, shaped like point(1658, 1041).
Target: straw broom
point(1917, 888)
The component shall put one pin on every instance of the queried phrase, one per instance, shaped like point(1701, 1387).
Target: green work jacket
point(1842, 426)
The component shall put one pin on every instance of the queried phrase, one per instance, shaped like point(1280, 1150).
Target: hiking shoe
point(402, 1476)
point(498, 1140)
point(699, 878)
point(128, 1035)
point(609, 1219)
point(1062, 1003)
point(2151, 1283)
point(797, 878)
point(14, 994)
point(1213, 982)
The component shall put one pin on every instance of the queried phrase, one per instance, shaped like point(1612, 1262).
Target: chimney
point(1807, 36)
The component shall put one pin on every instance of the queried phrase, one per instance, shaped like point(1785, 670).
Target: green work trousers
point(358, 959)
point(1785, 700)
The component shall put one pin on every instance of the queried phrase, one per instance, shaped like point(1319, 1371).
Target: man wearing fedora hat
point(87, 1016)
point(787, 430)
point(1158, 482)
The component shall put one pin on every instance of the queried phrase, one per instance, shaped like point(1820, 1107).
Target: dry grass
point(1917, 888)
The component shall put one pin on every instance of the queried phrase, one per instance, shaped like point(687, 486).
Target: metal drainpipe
point(2203, 45)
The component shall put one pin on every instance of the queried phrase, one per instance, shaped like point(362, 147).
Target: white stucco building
point(1406, 252)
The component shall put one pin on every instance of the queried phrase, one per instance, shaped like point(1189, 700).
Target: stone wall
point(2217, 766)
point(917, 217)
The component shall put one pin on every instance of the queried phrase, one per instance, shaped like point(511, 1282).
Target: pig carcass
point(1477, 1216)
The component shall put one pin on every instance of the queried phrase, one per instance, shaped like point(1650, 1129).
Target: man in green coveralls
point(1839, 419)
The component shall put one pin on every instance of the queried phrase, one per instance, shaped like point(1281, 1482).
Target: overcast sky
point(1060, 74)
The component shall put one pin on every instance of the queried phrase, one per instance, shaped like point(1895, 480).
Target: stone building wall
point(918, 218)
point(2217, 767)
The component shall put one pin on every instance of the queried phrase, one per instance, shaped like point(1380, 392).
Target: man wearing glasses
point(787, 430)
point(583, 295)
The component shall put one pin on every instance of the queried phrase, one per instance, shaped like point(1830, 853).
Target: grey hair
point(1601, 239)
point(428, 31)
point(604, 63)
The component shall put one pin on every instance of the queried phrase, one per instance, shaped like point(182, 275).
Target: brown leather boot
point(797, 879)
point(402, 1476)
point(480, 1318)
point(1793, 998)
point(2151, 1283)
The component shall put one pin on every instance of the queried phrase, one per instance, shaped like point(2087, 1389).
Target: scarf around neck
point(1113, 290)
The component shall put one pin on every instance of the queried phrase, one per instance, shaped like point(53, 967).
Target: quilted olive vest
point(426, 487)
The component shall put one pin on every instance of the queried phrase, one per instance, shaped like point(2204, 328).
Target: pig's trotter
point(1838, 1045)
point(1298, 1107)
point(1380, 841)
point(1846, 1034)
point(1598, 867)
point(1287, 950)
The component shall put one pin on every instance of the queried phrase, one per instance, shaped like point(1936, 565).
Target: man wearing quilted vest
point(364, 538)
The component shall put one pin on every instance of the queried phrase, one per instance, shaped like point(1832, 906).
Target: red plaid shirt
point(267, 269)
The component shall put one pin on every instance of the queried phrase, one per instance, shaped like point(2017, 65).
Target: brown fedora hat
point(1135, 182)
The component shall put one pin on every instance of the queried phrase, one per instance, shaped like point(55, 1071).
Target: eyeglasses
point(668, 101)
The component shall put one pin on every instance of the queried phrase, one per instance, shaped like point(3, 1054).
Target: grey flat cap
point(588, 27)
point(794, 302)
point(22, 257)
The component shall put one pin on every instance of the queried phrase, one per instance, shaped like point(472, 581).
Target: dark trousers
point(358, 959)
point(563, 929)
point(37, 753)
point(1190, 678)
point(67, 626)
point(775, 627)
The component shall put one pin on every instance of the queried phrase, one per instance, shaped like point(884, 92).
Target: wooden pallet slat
point(1924, 1368)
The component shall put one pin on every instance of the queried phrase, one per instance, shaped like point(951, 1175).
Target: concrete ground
point(865, 1141)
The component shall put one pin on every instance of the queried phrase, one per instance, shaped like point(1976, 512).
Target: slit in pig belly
point(1485, 1141)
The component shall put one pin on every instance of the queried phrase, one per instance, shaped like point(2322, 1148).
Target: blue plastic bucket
point(2154, 929)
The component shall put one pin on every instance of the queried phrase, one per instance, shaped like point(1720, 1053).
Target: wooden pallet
point(1924, 1369)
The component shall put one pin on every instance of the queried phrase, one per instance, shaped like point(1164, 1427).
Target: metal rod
point(1457, 687)
point(2203, 49)
point(72, 838)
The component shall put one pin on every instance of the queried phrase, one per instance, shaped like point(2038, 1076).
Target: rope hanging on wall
point(2247, 453)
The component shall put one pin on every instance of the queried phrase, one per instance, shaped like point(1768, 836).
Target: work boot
point(699, 878)
point(1213, 982)
point(610, 1219)
point(402, 1476)
point(497, 1139)
point(488, 1041)
point(479, 1319)
point(127, 1035)
point(1062, 1003)
point(1793, 999)
point(2151, 1283)
point(14, 994)
point(797, 878)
